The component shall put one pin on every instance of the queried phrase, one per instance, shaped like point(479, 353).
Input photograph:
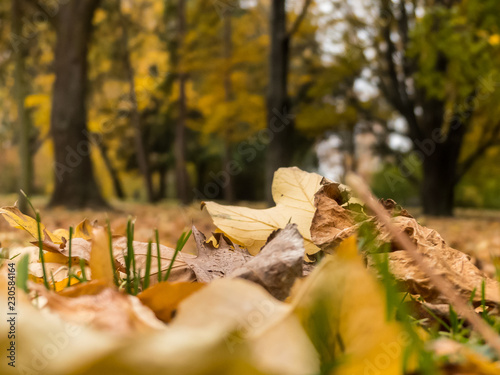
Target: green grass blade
point(69, 254)
point(22, 273)
point(82, 267)
point(110, 245)
point(40, 253)
point(147, 276)
point(158, 254)
point(129, 257)
point(180, 245)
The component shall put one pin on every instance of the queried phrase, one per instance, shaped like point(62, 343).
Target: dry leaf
point(278, 264)
point(180, 270)
point(343, 309)
point(293, 192)
point(331, 222)
point(212, 263)
point(163, 298)
point(101, 266)
point(452, 264)
point(18, 220)
point(246, 315)
point(82, 230)
point(108, 310)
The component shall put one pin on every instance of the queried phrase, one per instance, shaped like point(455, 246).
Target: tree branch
point(299, 19)
point(491, 141)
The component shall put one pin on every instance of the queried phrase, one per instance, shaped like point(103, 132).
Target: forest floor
point(475, 232)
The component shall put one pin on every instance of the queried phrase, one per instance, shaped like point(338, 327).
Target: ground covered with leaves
point(318, 284)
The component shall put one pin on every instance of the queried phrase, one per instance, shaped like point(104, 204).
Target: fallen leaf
point(212, 263)
point(18, 220)
point(247, 316)
point(163, 298)
point(293, 192)
point(101, 264)
point(180, 270)
point(331, 222)
point(450, 263)
point(109, 310)
point(89, 288)
point(278, 264)
point(343, 309)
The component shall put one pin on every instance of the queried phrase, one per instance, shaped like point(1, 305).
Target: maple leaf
point(293, 192)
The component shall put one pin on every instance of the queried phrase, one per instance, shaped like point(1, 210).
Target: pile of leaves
point(315, 285)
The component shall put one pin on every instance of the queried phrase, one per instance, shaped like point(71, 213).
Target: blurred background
point(150, 100)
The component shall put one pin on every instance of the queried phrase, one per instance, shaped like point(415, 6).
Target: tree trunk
point(75, 184)
point(113, 173)
point(135, 118)
point(162, 186)
point(181, 175)
point(280, 126)
point(228, 90)
point(23, 120)
point(438, 184)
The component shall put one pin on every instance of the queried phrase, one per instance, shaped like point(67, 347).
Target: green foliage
point(390, 182)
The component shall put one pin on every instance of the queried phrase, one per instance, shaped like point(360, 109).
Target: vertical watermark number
point(11, 314)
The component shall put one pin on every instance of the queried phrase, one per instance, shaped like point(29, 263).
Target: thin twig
point(442, 285)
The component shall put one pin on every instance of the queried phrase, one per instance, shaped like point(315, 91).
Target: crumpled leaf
point(108, 310)
point(343, 309)
point(453, 264)
point(48, 345)
point(278, 264)
point(212, 263)
point(101, 266)
point(21, 221)
point(331, 222)
point(293, 192)
point(163, 298)
point(81, 249)
point(247, 315)
point(82, 230)
point(180, 270)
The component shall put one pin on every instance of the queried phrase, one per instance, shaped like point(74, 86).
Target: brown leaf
point(108, 310)
point(212, 263)
point(163, 298)
point(81, 248)
point(278, 263)
point(451, 263)
point(100, 258)
point(330, 218)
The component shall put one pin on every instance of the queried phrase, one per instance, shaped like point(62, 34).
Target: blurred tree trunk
point(228, 89)
point(279, 151)
point(135, 118)
point(181, 175)
point(279, 123)
point(23, 120)
point(113, 173)
point(75, 184)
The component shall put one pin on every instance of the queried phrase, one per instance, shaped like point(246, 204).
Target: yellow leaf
point(18, 220)
point(494, 39)
point(163, 298)
point(293, 191)
point(100, 258)
point(247, 316)
point(83, 230)
point(343, 309)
